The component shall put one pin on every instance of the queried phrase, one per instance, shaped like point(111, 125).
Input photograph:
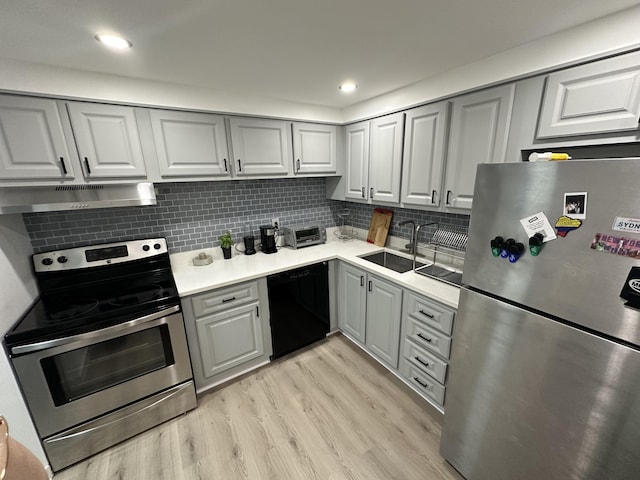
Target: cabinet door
point(424, 155)
point(479, 130)
point(32, 143)
point(384, 307)
point(352, 301)
point(357, 160)
point(260, 147)
point(598, 97)
point(190, 144)
point(314, 148)
point(229, 338)
point(107, 139)
point(386, 158)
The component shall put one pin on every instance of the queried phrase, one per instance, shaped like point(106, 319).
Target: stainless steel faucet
point(411, 246)
point(415, 251)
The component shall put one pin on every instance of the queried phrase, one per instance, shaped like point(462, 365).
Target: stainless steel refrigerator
point(545, 368)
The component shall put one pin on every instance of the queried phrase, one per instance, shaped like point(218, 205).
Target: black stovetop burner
point(93, 297)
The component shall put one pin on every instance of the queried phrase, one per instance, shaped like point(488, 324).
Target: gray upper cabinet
point(314, 148)
point(424, 155)
point(385, 162)
point(190, 144)
point(598, 97)
point(357, 160)
point(107, 139)
point(261, 147)
point(32, 141)
point(479, 132)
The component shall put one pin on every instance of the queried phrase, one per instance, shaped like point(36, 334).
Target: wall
point(192, 215)
point(18, 291)
point(609, 34)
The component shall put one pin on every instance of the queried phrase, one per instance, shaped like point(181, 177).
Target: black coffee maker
point(268, 239)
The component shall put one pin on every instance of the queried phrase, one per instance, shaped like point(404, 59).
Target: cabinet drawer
point(224, 298)
point(431, 313)
point(428, 338)
point(423, 382)
point(428, 363)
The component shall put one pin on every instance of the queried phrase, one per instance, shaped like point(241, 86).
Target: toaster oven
point(304, 236)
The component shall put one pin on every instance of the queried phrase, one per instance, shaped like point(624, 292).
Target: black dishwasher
point(299, 307)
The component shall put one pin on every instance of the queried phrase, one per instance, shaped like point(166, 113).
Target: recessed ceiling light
point(113, 41)
point(347, 87)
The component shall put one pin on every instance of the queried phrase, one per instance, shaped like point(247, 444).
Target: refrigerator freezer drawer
point(429, 338)
point(532, 398)
point(425, 361)
point(423, 382)
point(431, 313)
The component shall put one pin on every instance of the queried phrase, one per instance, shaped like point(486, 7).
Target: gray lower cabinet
point(370, 310)
point(228, 332)
point(427, 327)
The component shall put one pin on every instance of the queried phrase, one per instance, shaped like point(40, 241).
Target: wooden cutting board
point(379, 227)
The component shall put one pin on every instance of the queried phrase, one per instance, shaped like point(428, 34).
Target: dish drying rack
point(345, 230)
point(447, 245)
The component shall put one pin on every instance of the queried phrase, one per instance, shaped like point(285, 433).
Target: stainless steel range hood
point(74, 197)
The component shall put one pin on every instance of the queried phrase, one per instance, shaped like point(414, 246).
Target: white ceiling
point(295, 50)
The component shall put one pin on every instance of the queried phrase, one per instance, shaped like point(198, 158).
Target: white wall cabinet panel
point(352, 300)
point(385, 162)
point(261, 147)
point(32, 142)
point(479, 132)
point(598, 97)
point(357, 160)
point(229, 338)
point(107, 139)
point(424, 155)
point(314, 148)
point(384, 309)
point(190, 144)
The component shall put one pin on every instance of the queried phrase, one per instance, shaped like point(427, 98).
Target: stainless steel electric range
point(102, 355)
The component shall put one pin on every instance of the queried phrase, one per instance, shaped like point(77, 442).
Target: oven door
point(70, 380)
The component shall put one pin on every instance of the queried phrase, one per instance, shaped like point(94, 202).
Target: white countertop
point(191, 279)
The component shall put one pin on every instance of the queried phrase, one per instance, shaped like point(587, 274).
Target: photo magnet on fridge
point(575, 205)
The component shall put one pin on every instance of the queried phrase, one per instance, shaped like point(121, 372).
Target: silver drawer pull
point(426, 314)
point(426, 339)
point(419, 360)
point(227, 300)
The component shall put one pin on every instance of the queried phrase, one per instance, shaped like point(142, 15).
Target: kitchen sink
point(392, 261)
point(439, 273)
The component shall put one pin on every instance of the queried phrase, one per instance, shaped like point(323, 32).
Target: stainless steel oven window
point(77, 373)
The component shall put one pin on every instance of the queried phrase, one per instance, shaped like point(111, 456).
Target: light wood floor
point(327, 413)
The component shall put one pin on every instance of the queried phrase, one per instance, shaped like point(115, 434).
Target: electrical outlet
point(276, 223)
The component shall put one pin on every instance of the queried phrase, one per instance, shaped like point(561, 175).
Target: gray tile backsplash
point(192, 215)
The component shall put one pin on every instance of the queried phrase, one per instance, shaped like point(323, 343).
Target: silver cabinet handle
point(298, 165)
point(370, 286)
point(362, 280)
point(371, 192)
point(449, 192)
point(433, 197)
point(362, 192)
point(225, 165)
point(239, 166)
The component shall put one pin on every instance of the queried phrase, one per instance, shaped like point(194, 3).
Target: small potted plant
point(226, 243)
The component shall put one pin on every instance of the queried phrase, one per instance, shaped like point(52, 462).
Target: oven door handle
point(96, 334)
